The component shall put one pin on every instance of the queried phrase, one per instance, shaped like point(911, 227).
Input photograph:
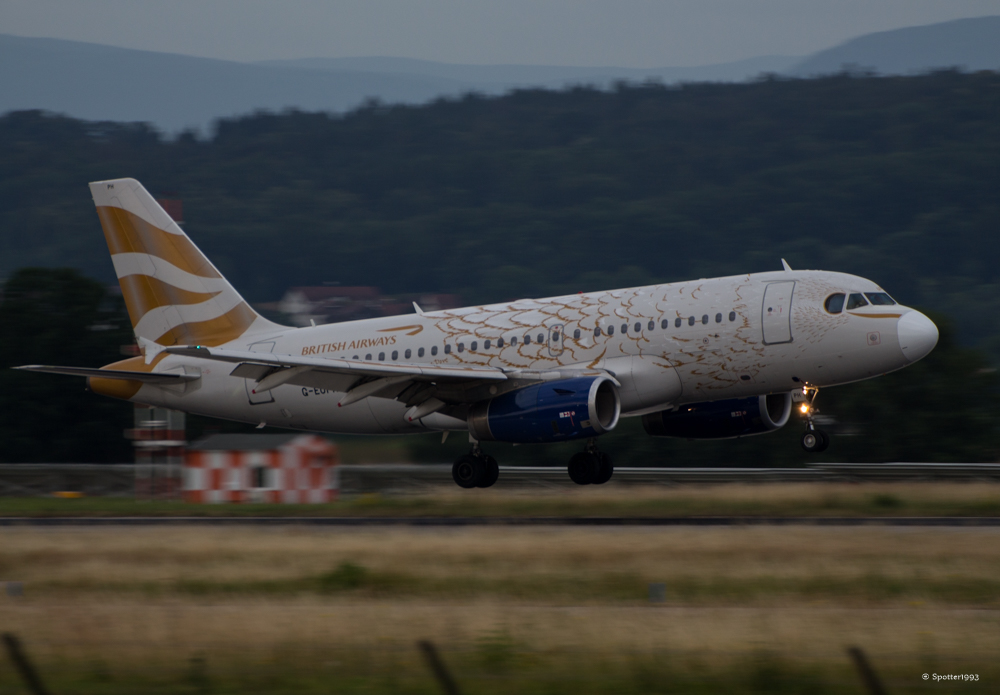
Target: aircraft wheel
point(604, 470)
point(491, 471)
point(826, 440)
point(583, 468)
point(814, 441)
point(468, 470)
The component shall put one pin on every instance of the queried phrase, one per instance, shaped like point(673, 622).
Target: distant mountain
point(969, 44)
point(173, 92)
point(491, 78)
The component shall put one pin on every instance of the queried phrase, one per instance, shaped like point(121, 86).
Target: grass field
point(765, 499)
point(535, 610)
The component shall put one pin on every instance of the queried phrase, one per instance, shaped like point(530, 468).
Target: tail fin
point(174, 295)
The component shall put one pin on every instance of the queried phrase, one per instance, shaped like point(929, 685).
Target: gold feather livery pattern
point(173, 293)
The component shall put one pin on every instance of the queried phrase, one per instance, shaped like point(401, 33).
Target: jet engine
point(550, 411)
point(737, 417)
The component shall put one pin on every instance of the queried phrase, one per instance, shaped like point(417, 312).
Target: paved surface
point(98, 480)
point(502, 521)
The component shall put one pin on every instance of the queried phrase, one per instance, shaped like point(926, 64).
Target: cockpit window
point(880, 298)
point(856, 300)
point(835, 303)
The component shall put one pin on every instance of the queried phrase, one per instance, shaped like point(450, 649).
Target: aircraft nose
point(917, 335)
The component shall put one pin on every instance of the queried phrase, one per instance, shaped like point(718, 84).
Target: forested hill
point(542, 192)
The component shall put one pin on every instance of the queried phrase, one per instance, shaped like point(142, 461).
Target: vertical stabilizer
point(174, 295)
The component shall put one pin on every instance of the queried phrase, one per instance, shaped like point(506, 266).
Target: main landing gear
point(590, 466)
point(814, 440)
point(475, 469)
point(478, 469)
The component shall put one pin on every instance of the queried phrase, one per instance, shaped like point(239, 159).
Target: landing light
point(804, 408)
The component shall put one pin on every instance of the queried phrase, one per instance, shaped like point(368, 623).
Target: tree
point(58, 316)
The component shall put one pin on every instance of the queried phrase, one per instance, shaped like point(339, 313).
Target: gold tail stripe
point(213, 332)
point(143, 293)
point(129, 233)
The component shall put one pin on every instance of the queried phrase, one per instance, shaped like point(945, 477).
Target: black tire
point(604, 469)
point(491, 471)
point(583, 468)
point(467, 471)
point(825, 440)
point(812, 441)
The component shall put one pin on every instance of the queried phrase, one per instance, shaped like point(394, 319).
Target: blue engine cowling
point(551, 411)
point(737, 417)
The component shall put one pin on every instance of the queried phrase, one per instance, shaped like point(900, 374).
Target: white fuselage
point(667, 345)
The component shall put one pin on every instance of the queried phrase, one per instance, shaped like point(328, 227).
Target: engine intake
point(737, 417)
point(551, 411)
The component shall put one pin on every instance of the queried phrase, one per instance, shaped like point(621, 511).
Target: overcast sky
point(628, 33)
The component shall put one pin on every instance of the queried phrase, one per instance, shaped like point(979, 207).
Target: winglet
point(784, 264)
point(416, 307)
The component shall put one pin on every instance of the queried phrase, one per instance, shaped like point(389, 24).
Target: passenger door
point(776, 312)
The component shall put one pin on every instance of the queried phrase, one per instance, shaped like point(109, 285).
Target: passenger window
point(732, 315)
point(597, 331)
point(461, 347)
point(486, 344)
point(718, 318)
point(611, 330)
point(624, 328)
point(541, 338)
point(677, 322)
point(856, 300)
point(474, 346)
point(368, 357)
point(527, 340)
point(834, 303)
point(407, 354)
point(355, 357)
point(664, 323)
point(651, 325)
point(513, 341)
point(576, 334)
point(880, 298)
point(690, 320)
point(447, 349)
point(555, 336)
point(704, 319)
point(499, 342)
point(381, 357)
point(420, 352)
point(434, 349)
point(395, 355)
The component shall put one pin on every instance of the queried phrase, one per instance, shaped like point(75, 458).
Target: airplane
point(710, 358)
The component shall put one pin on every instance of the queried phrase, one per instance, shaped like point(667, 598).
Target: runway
point(445, 521)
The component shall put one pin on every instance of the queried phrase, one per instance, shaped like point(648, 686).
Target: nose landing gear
point(814, 440)
point(590, 466)
point(475, 469)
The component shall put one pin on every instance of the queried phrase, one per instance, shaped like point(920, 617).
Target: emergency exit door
point(777, 312)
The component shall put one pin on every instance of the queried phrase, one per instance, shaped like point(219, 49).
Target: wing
point(424, 387)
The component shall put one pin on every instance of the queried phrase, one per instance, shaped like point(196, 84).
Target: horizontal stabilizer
point(145, 377)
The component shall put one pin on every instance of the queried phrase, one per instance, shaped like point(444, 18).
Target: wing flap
point(328, 381)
